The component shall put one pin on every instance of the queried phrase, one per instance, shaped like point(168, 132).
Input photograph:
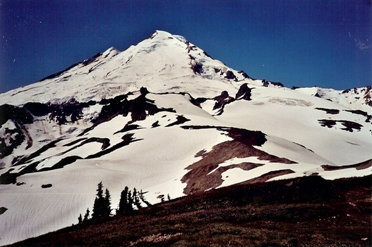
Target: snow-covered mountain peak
point(162, 63)
point(110, 52)
point(164, 35)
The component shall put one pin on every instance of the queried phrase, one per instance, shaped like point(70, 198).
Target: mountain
point(165, 117)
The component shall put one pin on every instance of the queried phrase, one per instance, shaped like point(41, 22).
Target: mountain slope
point(305, 211)
point(164, 117)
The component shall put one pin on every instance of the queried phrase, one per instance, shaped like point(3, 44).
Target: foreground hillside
point(308, 211)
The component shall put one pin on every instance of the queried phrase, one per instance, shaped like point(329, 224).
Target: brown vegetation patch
point(201, 153)
point(154, 238)
point(265, 177)
point(199, 177)
point(359, 166)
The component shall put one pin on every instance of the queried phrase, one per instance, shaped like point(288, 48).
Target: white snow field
point(63, 135)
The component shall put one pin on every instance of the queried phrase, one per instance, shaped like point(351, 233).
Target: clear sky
point(299, 43)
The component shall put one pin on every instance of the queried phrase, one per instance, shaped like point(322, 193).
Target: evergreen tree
point(100, 190)
point(86, 216)
point(136, 199)
point(161, 197)
point(130, 201)
point(107, 204)
point(142, 197)
point(102, 204)
point(123, 200)
point(80, 219)
point(125, 203)
point(169, 197)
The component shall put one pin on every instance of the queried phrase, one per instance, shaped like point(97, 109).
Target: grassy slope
point(300, 212)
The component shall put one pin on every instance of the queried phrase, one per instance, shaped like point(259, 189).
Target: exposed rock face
point(266, 83)
point(139, 108)
point(10, 140)
point(14, 113)
point(244, 92)
point(363, 113)
point(328, 111)
point(3, 210)
point(230, 75)
point(347, 125)
point(12, 137)
point(245, 75)
point(221, 101)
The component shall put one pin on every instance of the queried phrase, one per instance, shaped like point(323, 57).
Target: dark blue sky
point(302, 43)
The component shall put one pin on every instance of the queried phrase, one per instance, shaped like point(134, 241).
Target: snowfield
point(165, 118)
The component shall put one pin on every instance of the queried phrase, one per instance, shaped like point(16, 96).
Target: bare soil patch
point(203, 174)
point(359, 166)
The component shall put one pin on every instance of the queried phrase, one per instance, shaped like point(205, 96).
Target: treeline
point(129, 201)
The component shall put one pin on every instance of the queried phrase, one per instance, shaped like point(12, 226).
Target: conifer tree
point(123, 200)
point(130, 200)
point(107, 204)
point(102, 204)
point(80, 219)
point(142, 197)
point(136, 199)
point(125, 203)
point(161, 197)
point(86, 216)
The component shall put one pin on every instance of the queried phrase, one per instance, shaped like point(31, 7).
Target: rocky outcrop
point(244, 92)
point(222, 100)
